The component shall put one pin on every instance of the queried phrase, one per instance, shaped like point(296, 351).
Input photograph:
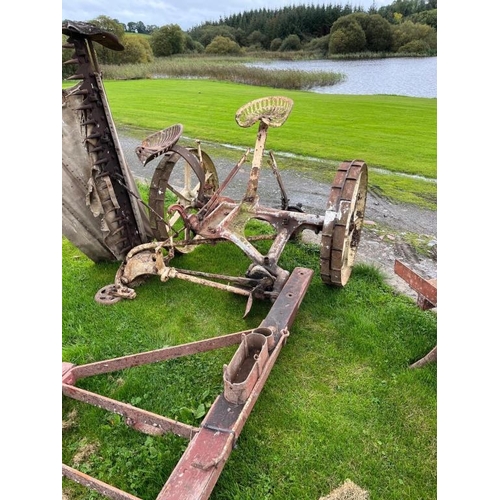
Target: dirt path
point(385, 223)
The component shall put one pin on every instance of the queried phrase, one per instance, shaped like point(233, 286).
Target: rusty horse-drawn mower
point(104, 216)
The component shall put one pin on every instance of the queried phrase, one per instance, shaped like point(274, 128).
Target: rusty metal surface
point(142, 420)
point(426, 289)
point(93, 483)
point(343, 222)
point(211, 444)
point(110, 365)
point(201, 464)
point(158, 143)
point(99, 214)
point(92, 32)
point(104, 216)
point(115, 219)
point(217, 218)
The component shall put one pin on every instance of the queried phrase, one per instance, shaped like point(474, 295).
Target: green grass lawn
point(340, 403)
point(393, 133)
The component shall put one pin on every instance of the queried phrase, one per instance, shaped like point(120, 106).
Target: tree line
point(403, 27)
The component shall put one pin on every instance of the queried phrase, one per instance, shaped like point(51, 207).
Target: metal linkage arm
point(210, 445)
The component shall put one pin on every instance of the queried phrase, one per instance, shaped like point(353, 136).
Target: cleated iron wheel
point(182, 187)
point(343, 222)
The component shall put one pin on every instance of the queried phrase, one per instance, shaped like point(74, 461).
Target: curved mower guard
point(100, 210)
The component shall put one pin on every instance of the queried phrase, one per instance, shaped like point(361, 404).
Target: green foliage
point(401, 10)
point(360, 32)
point(291, 42)
point(377, 31)
point(415, 47)
point(275, 44)
point(194, 47)
point(256, 39)
point(265, 29)
point(308, 22)
point(168, 40)
point(407, 32)
point(428, 17)
point(137, 50)
point(207, 33)
point(344, 367)
point(222, 45)
point(318, 46)
point(347, 36)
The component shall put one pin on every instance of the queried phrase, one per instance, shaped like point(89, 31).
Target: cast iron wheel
point(343, 222)
point(183, 189)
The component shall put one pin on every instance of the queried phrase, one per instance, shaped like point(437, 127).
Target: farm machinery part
point(201, 213)
point(205, 215)
point(426, 299)
point(104, 216)
point(100, 210)
point(210, 444)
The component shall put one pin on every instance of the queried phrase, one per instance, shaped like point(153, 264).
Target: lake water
point(406, 76)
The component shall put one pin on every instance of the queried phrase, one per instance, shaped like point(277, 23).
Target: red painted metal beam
point(76, 372)
point(95, 484)
point(201, 464)
point(427, 289)
point(139, 419)
point(199, 468)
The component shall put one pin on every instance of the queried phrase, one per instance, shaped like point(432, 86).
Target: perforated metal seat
point(158, 143)
point(273, 111)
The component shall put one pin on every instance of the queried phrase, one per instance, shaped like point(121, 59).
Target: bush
point(275, 44)
point(415, 47)
point(378, 31)
point(407, 32)
point(206, 34)
point(318, 45)
point(291, 42)
point(256, 39)
point(347, 39)
point(428, 17)
point(376, 37)
point(137, 50)
point(168, 40)
point(223, 45)
point(193, 46)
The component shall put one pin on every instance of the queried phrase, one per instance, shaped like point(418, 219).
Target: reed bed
point(222, 69)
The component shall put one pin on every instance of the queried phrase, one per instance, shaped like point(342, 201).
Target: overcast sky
point(188, 13)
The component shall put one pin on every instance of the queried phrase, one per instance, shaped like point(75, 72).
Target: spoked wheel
point(343, 222)
point(191, 186)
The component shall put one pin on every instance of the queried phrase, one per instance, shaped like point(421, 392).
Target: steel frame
point(426, 299)
point(210, 446)
point(426, 288)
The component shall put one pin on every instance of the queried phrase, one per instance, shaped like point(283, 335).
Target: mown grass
point(340, 403)
point(393, 133)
